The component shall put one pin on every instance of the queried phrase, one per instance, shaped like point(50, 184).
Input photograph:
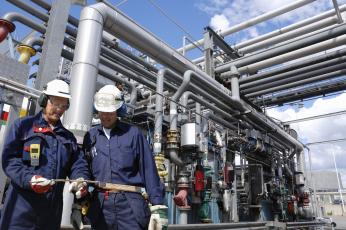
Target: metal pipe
point(44, 17)
point(322, 46)
point(296, 65)
point(242, 225)
point(283, 49)
point(285, 37)
point(173, 113)
point(298, 83)
point(73, 32)
point(300, 24)
point(293, 73)
point(21, 91)
point(159, 111)
point(208, 105)
point(293, 78)
point(254, 21)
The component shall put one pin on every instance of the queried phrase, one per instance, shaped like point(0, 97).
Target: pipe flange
point(9, 25)
point(22, 48)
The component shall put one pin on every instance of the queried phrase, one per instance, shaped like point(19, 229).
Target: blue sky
point(194, 15)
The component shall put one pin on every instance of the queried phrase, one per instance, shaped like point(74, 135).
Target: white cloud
point(323, 129)
point(219, 22)
point(238, 11)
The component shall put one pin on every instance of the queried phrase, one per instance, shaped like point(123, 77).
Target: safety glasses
point(58, 105)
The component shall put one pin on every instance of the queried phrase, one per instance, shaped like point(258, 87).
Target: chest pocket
point(126, 156)
point(37, 144)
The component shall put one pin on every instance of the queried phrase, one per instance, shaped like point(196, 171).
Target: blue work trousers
point(120, 211)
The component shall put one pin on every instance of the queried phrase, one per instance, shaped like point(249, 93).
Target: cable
point(120, 3)
point(192, 39)
point(314, 117)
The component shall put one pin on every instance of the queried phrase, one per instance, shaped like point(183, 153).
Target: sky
point(190, 17)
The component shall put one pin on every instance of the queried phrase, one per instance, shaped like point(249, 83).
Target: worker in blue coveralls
point(37, 150)
point(120, 155)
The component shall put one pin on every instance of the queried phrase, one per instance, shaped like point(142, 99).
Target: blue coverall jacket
point(59, 157)
point(126, 159)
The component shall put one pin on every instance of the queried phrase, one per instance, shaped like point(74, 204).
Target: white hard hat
point(57, 88)
point(108, 99)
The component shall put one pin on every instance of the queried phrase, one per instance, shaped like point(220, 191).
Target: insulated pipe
point(253, 21)
point(293, 78)
point(173, 113)
point(207, 104)
point(73, 32)
point(298, 83)
point(283, 49)
point(285, 37)
point(14, 16)
point(322, 46)
point(293, 73)
point(44, 17)
point(33, 41)
point(159, 111)
point(117, 23)
point(294, 66)
point(300, 24)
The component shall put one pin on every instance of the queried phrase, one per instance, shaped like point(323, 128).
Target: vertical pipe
point(84, 72)
point(158, 111)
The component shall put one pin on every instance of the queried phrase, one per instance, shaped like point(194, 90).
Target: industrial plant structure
point(199, 115)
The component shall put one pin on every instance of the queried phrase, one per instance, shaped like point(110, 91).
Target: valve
point(5, 28)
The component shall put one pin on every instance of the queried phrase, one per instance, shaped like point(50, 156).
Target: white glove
point(158, 218)
point(79, 188)
point(40, 184)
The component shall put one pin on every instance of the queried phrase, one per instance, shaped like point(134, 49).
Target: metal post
point(337, 11)
point(53, 42)
point(208, 53)
point(338, 179)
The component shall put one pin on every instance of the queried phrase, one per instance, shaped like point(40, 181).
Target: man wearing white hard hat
point(119, 154)
point(38, 150)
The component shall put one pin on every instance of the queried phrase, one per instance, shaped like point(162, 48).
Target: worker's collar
point(40, 122)
point(118, 126)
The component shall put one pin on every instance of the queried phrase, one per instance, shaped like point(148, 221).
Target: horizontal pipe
point(244, 225)
point(322, 46)
point(290, 35)
point(294, 78)
point(253, 21)
point(294, 66)
point(284, 49)
point(299, 83)
point(294, 73)
point(300, 24)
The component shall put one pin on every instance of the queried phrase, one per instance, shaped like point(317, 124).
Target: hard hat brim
point(108, 109)
point(64, 95)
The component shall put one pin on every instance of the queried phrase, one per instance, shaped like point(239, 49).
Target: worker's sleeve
point(12, 158)
point(148, 170)
point(79, 166)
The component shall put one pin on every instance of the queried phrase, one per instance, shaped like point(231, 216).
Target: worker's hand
point(79, 188)
point(158, 218)
point(40, 184)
